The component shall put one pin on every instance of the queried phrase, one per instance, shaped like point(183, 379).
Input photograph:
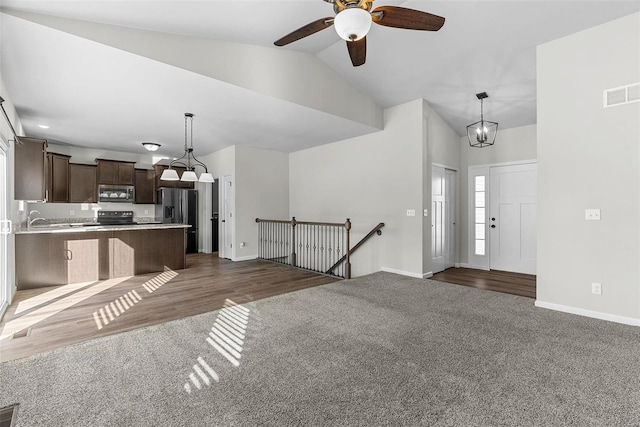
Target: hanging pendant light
point(483, 132)
point(188, 160)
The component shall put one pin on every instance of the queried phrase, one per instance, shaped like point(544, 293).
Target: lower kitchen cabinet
point(58, 258)
point(51, 259)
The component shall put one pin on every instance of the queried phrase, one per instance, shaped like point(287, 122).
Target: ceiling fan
point(353, 21)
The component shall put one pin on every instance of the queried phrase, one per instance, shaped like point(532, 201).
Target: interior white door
point(449, 218)
point(512, 218)
point(443, 218)
point(226, 218)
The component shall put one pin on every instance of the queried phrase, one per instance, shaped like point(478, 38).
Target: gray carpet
point(377, 350)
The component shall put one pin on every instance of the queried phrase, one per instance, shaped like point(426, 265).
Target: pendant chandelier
point(188, 160)
point(483, 132)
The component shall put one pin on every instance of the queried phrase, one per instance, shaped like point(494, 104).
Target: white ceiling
point(97, 96)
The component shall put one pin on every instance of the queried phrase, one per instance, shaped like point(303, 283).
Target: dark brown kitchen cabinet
point(115, 172)
point(145, 186)
point(60, 258)
point(171, 184)
point(58, 178)
point(30, 178)
point(83, 183)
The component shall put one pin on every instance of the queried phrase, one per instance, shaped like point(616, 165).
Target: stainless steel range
point(115, 218)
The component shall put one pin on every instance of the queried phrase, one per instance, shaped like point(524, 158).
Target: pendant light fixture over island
point(188, 160)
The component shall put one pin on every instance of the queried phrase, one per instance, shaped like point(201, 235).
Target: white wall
point(589, 157)
point(262, 191)
point(515, 144)
point(442, 148)
point(369, 179)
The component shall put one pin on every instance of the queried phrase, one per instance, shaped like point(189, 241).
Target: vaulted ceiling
point(113, 73)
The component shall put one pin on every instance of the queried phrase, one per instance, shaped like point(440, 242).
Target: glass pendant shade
point(169, 175)
point(189, 176)
point(352, 24)
point(206, 177)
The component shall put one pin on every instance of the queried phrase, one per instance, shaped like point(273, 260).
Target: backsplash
point(82, 212)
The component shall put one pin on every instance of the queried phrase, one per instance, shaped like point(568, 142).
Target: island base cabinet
point(59, 258)
point(52, 259)
point(140, 252)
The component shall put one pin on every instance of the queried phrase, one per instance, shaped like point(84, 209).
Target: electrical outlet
point(596, 288)
point(146, 211)
point(426, 212)
point(592, 214)
point(411, 212)
point(72, 212)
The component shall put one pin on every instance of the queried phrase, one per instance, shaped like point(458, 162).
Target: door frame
point(6, 287)
point(451, 232)
point(482, 262)
point(226, 218)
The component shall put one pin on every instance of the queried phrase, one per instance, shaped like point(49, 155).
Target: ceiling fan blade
point(305, 31)
point(358, 51)
point(411, 19)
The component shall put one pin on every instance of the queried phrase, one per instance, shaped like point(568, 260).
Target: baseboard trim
point(407, 273)
point(463, 265)
point(588, 313)
point(244, 258)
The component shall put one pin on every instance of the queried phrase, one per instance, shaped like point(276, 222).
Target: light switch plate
point(411, 212)
point(592, 214)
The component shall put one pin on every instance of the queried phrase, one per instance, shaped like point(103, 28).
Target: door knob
point(493, 226)
point(493, 219)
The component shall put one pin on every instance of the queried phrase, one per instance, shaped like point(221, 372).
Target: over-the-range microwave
point(116, 193)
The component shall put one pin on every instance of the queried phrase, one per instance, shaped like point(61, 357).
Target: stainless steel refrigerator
point(179, 206)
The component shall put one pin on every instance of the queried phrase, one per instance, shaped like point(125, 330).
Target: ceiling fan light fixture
point(483, 132)
point(352, 24)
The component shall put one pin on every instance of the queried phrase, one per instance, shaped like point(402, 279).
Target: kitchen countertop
point(80, 228)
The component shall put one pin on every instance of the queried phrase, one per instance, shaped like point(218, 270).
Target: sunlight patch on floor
point(227, 338)
point(46, 297)
point(110, 311)
point(154, 284)
point(37, 316)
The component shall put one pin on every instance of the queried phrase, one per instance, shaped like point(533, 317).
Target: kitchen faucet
point(30, 221)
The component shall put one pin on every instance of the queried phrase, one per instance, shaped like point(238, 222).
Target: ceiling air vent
point(622, 95)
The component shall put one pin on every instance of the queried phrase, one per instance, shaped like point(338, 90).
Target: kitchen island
point(60, 254)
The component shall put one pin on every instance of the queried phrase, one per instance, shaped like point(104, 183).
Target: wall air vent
point(622, 95)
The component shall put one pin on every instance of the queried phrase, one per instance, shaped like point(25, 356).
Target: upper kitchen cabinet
point(115, 172)
point(30, 160)
point(145, 186)
point(58, 178)
point(83, 185)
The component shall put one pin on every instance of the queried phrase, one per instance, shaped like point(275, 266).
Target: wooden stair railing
point(376, 230)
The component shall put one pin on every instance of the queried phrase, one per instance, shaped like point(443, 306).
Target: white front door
point(443, 216)
point(226, 218)
point(512, 218)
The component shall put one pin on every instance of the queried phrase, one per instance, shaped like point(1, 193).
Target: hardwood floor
point(43, 319)
point(499, 281)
